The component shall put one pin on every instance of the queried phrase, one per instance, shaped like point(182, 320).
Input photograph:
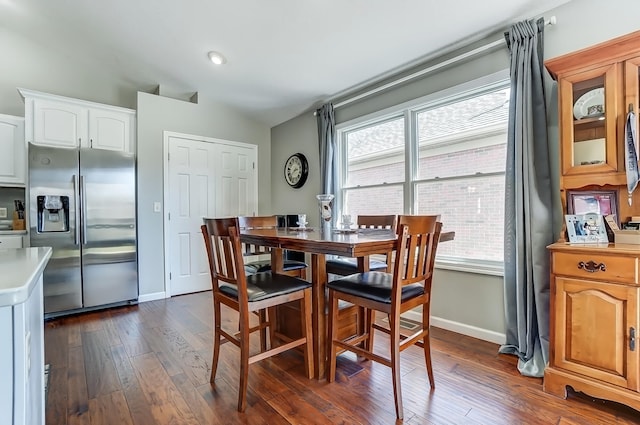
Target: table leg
point(363, 264)
point(277, 260)
point(319, 280)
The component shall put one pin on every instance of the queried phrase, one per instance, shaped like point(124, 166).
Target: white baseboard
point(461, 328)
point(152, 297)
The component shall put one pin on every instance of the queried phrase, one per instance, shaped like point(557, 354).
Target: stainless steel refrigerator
point(83, 205)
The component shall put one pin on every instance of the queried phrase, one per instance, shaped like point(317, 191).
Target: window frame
point(409, 111)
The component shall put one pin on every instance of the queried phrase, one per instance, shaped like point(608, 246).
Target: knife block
point(18, 223)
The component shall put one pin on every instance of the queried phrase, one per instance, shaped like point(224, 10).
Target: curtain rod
point(489, 46)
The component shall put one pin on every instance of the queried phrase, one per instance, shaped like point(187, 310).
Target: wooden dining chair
point(409, 286)
point(344, 266)
point(246, 294)
point(290, 266)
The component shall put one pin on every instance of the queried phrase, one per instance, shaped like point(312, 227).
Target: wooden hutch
point(595, 288)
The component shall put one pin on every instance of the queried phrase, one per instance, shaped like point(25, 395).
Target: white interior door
point(191, 197)
point(205, 179)
point(236, 192)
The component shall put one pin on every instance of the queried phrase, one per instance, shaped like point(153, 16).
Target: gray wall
point(47, 68)
point(297, 135)
point(157, 114)
point(466, 302)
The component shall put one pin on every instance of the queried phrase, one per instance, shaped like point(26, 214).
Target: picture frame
point(586, 228)
point(602, 202)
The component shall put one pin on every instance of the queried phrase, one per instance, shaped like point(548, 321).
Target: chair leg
point(262, 318)
point(426, 343)
point(272, 319)
point(305, 320)
point(216, 340)
point(394, 325)
point(332, 335)
point(370, 319)
point(244, 365)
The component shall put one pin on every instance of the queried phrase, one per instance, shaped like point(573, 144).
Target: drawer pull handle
point(591, 266)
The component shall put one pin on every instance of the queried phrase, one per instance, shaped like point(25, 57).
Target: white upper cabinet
point(109, 130)
point(58, 124)
point(13, 156)
point(70, 123)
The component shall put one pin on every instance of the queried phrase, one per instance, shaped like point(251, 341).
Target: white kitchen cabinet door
point(12, 146)
point(111, 130)
point(59, 124)
point(10, 241)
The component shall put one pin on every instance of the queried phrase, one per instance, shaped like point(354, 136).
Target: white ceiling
point(284, 56)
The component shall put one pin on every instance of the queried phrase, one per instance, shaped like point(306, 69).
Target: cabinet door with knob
point(58, 124)
point(596, 324)
point(10, 241)
point(109, 130)
point(72, 123)
point(12, 158)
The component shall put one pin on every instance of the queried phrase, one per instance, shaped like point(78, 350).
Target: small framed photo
point(586, 228)
point(601, 202)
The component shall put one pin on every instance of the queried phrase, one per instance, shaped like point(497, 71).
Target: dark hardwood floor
point(150, 364)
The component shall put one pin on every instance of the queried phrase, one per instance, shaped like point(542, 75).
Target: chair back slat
point(224, 250)
point(418, 238)
point(379, 222)
point(257, 222)
point(376, 221)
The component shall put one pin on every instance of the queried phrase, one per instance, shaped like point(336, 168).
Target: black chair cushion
point(345, 266)
point(265, 266)
point(261, 286)
point(375, 286)
point(249, 269)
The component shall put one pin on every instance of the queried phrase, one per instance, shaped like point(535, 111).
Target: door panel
point(109, 260)
point(109, 130)
point(206, 179)
point(191, 197)
point(237, 195)
point(59, 124)
point(595, 344)
point(54, 172)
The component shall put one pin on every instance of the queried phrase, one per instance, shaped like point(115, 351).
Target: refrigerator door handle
point(83, 199)
point(76, 234)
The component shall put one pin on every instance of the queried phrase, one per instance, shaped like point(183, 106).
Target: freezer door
point(54, 172)
point(108, 197)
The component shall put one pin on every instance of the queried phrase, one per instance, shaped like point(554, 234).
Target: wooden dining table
point(319, 243)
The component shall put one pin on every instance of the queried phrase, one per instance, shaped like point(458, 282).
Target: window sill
point(486, 268)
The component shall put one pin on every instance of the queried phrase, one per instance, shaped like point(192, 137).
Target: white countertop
point(20, 270)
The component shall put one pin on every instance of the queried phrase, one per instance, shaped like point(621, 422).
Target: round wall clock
point(296, 170)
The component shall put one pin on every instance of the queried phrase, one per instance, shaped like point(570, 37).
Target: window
point(374, 168)
point(451, 163)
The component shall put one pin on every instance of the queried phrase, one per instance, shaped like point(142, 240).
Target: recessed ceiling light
point(217, 58)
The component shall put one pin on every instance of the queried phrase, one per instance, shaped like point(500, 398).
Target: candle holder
point(325, 203)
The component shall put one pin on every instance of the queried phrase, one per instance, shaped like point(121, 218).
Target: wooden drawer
point(610, 268)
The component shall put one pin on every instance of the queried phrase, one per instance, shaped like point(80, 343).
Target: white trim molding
point(461, 328)
point(152, 297)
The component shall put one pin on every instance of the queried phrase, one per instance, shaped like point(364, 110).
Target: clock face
point(296, 170)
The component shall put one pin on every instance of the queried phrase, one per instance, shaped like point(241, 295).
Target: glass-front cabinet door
point(588, 114)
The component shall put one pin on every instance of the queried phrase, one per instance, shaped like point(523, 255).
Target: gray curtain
point(528, 203)
point(327, 141)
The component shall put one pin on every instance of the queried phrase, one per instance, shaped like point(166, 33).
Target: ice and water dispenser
point(53, 214)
